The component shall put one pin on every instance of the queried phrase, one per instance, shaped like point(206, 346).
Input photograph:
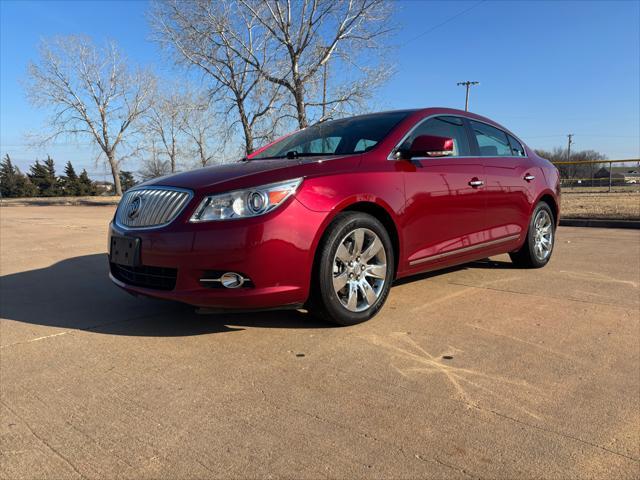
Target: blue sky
point(546, 68)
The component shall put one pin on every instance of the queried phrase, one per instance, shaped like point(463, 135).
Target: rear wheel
point(538, 247)
point(355, 269)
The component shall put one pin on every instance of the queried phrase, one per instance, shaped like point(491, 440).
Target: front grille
point(151, 206)
point(158, 278)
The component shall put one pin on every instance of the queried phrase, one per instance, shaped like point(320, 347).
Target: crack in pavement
point(444, 464)
point(43, 441)
point(548, 430)
point(83, 329)
point(569, 299)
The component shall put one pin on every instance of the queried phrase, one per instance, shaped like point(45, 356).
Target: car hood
point(255, 172)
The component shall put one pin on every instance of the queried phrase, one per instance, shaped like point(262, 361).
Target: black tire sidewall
point(339, 228)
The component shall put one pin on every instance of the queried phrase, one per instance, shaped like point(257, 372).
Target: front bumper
point(275, 251)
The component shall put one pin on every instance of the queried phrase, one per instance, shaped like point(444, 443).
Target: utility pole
point(569, 142)
point(324, 90)
point(466, 100)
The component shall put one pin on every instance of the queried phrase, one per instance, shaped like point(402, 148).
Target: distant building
point(104, 188)
point(630, 174)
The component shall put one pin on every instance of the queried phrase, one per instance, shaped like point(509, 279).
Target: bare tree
point(305, 35)
point(198, 35)
point(581, 168)
point(201, 125)
point(153, 165)
point(92, 92)
point(165, 120)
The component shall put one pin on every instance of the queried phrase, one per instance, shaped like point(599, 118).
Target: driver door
point(445, 198)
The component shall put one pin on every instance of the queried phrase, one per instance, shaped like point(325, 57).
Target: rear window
point(492, 142)
point(516, 147)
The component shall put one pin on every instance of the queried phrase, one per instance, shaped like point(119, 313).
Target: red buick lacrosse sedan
point(329, 216)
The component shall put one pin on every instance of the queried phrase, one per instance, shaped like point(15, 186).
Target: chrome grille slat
point(147, 204)
point(163, 206)
point(155, 212)
point(156, 206)
point(176, 206)
point(148, 200)
point(153, 203)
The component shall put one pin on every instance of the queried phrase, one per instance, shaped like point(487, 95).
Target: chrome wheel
point(359, 269)
point(543, 235)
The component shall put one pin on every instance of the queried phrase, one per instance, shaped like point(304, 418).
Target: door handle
point(528, 177)
point(476, 183)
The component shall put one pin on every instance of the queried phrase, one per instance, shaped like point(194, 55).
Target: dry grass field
point(624, 206)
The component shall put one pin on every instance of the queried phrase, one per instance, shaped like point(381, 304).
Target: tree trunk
point(115, 171)
point(173, 156)
point(298, 95)
point(246, 128)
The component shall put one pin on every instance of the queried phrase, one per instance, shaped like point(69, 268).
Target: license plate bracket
point(125, 251)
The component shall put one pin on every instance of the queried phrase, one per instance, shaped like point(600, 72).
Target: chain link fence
point(603, 189)
point(601, 176)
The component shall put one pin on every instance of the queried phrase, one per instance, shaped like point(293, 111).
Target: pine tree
point(24, 186)
point(70, 182)
point(13, 183)
point(86, 187)
point(126, 180)
point(43, 176)
point(8, 178)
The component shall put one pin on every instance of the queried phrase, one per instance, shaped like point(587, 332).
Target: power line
point(581, 135)
point(450, 19)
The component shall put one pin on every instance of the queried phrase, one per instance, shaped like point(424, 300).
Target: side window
point(516, 147)
point(491, 141)
point(450, 127)
point(363, 145)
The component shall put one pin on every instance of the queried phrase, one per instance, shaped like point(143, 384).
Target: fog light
point(232, 280)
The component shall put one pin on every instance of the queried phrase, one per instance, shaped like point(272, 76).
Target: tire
point(538, 247)
point(359, 271)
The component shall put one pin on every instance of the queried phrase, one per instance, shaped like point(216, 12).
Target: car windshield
point(336, 137)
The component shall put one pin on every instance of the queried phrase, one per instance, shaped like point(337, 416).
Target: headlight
point(250, 202)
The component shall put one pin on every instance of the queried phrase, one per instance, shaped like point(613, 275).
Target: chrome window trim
point(394, 150)
point(457, 251)
point(154, 187)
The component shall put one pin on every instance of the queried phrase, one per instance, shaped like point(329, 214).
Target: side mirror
point(429, 146)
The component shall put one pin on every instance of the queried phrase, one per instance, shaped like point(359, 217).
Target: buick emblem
point(133, 209)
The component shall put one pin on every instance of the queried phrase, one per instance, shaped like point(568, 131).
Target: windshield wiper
point(292, 154)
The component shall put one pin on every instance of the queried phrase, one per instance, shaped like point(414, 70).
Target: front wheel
point(537, 248)
point(355, 269)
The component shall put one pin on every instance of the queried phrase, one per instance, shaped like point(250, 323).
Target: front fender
point(343, 192)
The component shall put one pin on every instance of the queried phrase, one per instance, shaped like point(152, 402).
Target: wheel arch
point(383, 216)
point(550, 200)
point(381, 212)
point(376, 210)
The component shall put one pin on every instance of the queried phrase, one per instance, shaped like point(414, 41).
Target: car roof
point(423, 111)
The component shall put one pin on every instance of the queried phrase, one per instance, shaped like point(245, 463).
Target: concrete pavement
point(484, 371)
